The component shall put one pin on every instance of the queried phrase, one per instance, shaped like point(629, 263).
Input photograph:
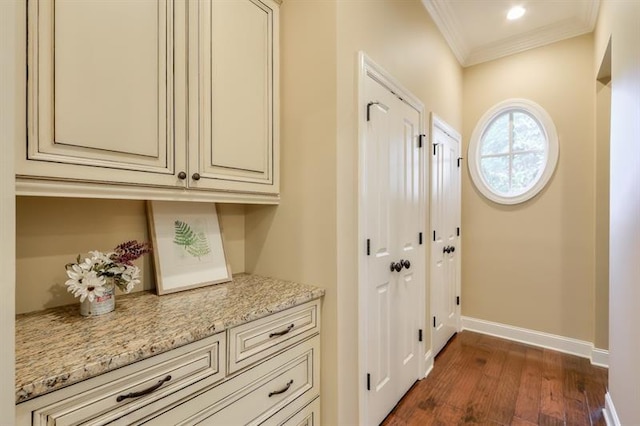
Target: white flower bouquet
point(92, 277)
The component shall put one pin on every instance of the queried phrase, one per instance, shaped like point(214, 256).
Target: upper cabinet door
point(234, 134)
point(101, 91)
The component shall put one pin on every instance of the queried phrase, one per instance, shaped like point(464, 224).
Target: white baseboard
point(563, 344)
point(600, 357)
point(428, 362)
point(610, 415)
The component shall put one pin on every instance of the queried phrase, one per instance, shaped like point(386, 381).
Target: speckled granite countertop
point(58, 347)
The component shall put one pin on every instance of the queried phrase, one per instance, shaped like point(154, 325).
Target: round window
point(513, 151)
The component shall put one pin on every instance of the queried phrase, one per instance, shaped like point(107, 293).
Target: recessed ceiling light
point(516, 12)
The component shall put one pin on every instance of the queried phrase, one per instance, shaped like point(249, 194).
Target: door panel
point(95, 104)
point(382, 373)
point(392, 199)
point(445, 219)
point(235, 98)
point(379, 285)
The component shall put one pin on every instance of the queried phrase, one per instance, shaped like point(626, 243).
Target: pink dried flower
point(129, 251)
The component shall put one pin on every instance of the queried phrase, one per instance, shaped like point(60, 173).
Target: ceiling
point(478, 31)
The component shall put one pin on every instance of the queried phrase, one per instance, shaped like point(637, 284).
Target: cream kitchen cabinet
point(204, 382)
point(152, 99)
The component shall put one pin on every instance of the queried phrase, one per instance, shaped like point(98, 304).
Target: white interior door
point(394, 267)
point(445, 220)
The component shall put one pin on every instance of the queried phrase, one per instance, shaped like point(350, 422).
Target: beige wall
point(12, 119)
point(619, 20)
point(297, 239)
point(51, 232)
point(401, 38)
point(311, 235)
point(603, 129)
point(532, 265)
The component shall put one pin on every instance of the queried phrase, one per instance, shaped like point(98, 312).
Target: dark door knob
point(396, 266)
point(182, 175)
point(195, 176)
point(406, 264)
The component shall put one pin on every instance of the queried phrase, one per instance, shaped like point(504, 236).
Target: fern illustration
point(194, 243)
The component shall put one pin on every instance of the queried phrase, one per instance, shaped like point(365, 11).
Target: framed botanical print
point(188, 247)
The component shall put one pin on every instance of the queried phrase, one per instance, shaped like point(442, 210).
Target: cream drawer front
point(290, 379)
point(307, 416)
point(256, 340)
point(103, 404)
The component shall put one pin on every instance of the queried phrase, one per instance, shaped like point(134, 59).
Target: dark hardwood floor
point(483, 380)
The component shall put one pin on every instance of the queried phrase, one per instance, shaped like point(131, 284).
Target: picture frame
point(188, 245)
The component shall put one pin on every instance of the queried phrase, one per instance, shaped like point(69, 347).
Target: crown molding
point(449, 25)
point(539, 37)
point(446, 21)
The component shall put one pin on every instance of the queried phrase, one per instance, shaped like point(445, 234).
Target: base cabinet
point(193, 384)
point(251, 398)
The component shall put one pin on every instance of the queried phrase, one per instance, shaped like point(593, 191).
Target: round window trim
point(551, 157)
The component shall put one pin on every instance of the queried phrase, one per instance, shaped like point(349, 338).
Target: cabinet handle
point(283, 390)
point(195, 176)
point(182, 175)
point(281, 333)
point(121, 398)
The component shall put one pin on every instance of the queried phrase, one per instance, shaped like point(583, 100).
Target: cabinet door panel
point(101, 89)
point(236, 95)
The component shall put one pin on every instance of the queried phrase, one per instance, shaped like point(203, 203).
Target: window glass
point(514, 151)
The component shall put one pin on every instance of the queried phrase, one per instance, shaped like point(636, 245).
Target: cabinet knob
point(406, 264)
point(452, 249)
point(182, 175)
point(195, 176)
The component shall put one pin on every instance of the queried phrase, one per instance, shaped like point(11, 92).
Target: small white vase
point(100, 305)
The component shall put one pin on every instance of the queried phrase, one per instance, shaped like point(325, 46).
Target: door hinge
point(458, 300)
point(368, 247)
point(458, 231)
point(369, 109)
point(460, 160)
point(420, 139)
point(434, 322)
point(420, 238)
point(434, 235)
point(420, 335)
point(368, 381)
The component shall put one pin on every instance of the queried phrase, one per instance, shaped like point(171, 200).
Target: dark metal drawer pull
point(283, 390)
point(121, 398)
point(281, 333)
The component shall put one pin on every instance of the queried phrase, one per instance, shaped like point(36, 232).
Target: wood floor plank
point(483, 380)
point(528, 401)
point(545, 420)
point(466, 378)
point(447, 415)
point(551, 395)
point(576, 410)
point(595, 389)
point(517, 421)
point(498, 349)
point(504, 404)
point(481, 399)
